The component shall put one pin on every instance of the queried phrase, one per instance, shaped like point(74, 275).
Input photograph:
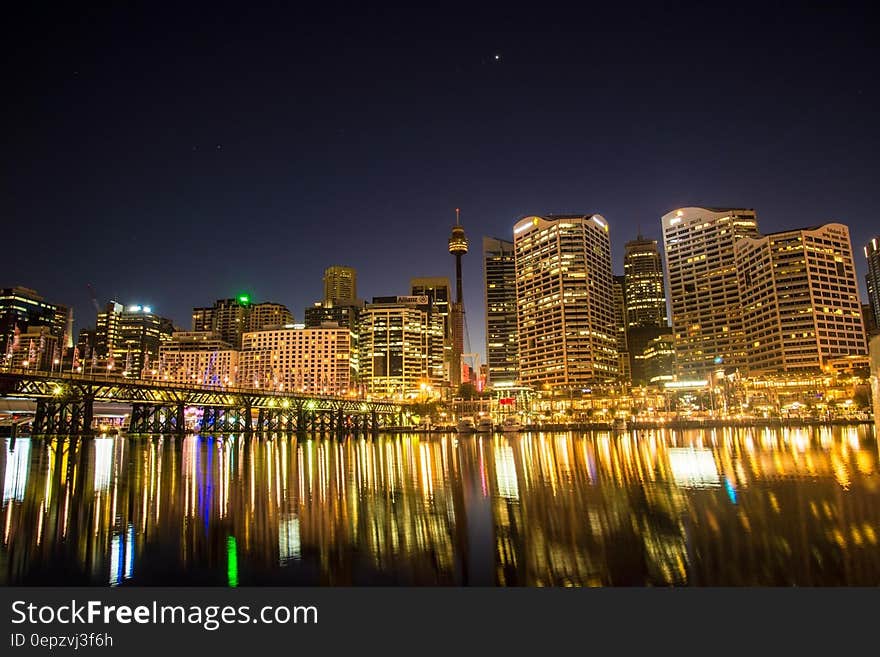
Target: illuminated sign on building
point(418, 299)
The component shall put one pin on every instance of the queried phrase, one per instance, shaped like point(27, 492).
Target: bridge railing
point(107, 378)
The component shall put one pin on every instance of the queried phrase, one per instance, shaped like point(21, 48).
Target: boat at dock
point(511, 424)
point(485, 425)
point(465, 425)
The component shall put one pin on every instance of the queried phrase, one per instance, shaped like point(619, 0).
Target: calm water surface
point(693, 508)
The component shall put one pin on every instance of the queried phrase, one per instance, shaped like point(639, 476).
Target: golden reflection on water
point(721, 507)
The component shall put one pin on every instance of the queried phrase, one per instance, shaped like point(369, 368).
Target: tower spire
point(458, 246)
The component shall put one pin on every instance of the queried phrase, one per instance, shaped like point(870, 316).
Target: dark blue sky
point(174, 156)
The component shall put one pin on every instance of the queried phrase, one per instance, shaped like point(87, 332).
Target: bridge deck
point(110, 388)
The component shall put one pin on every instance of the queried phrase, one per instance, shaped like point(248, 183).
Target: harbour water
point(723, 507)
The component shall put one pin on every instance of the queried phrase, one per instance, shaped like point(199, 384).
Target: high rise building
point(703, 288)
point(64, 316)
point(340, 308)
point(623, 356)
point(458, 246)
point(197, 358)
point(340, 286)
point(401, 347)
point(565, 301)
point(319, 315)
point(347, 317)
point(310, 360)
point(203, 319)
point(264, 315)
point(638, 338)
point(872, 278)
point(228, 318)
point(439, 293)
point(85, 344)
point(643, 283)
point(23, 308)
point(658, 359)
point(107, 330)
point(646, 316)
point(800, 299)
point(140, 334)
point(870, 321)
point(127, 339)
point(502, 348)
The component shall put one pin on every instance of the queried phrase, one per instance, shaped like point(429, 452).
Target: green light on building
point(244, 299)
point(231, 561)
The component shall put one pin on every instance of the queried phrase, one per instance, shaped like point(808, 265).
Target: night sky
point(178, 155)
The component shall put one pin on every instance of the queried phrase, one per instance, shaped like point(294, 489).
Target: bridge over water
point(65, 404)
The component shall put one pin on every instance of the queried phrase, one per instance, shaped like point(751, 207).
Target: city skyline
point(198, 162)
point(300, 314)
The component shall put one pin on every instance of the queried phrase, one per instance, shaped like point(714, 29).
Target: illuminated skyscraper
point(439, 293)
point(872, 278)
point(347, 317)
point(643, 283)
point(107, 329)
point(319, 315)
point(565, 301)
point(141, 333)
point(85, 343)
point(703, 288)
point(127, 339)
point(340, 286)
point(340, 307)
point(646, 317)
point(800, 299)
point(401, 347)
point(499, 271)
point(264, 315)
point(657, 359)
point(228, 318)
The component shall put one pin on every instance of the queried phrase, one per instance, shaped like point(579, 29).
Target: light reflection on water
point(720, 507)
